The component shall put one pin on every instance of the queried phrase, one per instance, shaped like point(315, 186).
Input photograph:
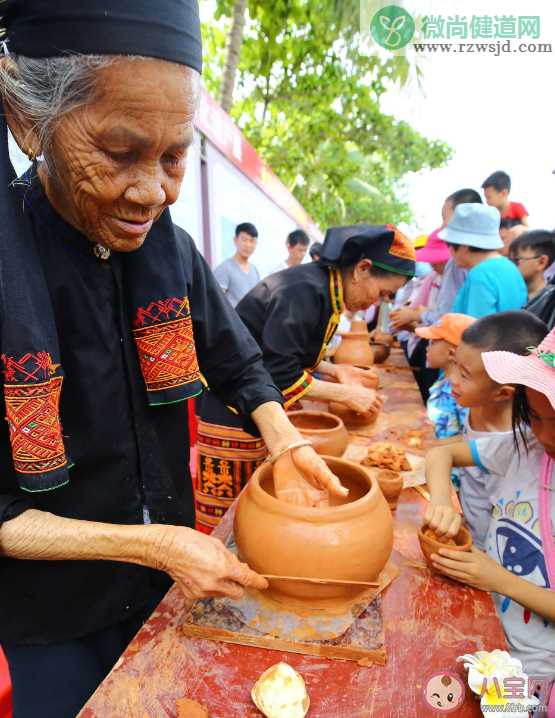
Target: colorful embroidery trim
point(297, 390)
point(165, 343)
point(35, 432)
point(337, 306)
point(401, 246)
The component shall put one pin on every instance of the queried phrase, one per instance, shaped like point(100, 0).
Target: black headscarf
point(157, 290)
point(384, 245)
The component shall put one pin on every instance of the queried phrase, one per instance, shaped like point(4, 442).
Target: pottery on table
point(351, 418)
point(431, 544)
point(391, 484)
point(354, 349)
point(326, 431)
point(359, 326)
point(381, 352)
point(352, 539)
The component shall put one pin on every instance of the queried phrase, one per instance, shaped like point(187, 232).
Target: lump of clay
point(186, 708)
point(384, 455)
point(280, 692)
point(447, 540)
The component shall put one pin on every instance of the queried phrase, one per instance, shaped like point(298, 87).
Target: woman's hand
point(199, 564)
point(443, 519)
point(354, 375)
point(404, 317)
point(303, 478)
point(360, 399)
point(475, 568)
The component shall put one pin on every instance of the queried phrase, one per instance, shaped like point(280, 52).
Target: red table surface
point(429, 621)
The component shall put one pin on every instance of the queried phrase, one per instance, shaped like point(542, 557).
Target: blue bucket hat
point(475, 225)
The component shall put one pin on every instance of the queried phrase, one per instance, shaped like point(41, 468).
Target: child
point(445, 336)
point(497, 188)
point(493, 283)
point(489, 404)
point(533, 252)
point(519, 563)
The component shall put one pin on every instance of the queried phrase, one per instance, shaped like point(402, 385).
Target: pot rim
point(316, 515)
point(311, 412)
point(350, 335)
point(434, 543)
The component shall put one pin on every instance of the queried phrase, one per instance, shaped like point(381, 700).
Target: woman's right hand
point(360, 399)
point(443, 519)
point(200, 564)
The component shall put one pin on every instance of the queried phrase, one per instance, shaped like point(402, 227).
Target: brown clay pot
point(351, 540)
point(430, 545)
point(391, 484)
point(354, 349)
point(381, 352)
point(359, 326)
point(326, 431)
point(350, 418)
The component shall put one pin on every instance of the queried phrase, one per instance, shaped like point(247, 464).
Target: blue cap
point(475, 225)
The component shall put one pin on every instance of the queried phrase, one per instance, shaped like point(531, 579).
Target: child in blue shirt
point(493, 283)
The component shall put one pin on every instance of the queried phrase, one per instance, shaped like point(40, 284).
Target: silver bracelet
point(295, 445)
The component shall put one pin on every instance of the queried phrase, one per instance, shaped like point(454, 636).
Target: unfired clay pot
point(350, 418)
point(391, 484)
point(352, 539)
point(430, 545)
point(354, 349)
point(381, 352)
point(326, 431)
point(359, 326)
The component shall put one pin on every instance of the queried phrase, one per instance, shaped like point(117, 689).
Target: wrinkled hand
point(403, 318)
point(201, 565)
point(303, 478)
point(356, 376)
point(361, 399)
point(443, 519)
point(474, 568)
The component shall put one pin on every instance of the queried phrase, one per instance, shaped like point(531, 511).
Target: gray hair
point(45, 89)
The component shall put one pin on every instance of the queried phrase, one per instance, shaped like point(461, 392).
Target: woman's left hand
point(303, 478)
point(346, 374)
point(475, 568)
point(404, 317)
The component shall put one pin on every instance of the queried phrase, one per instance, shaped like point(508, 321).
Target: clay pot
point(326, 431)
point(381, 352)
point(351, 540)
point(359, 326)
point(430, 545)
point(350, 418)
point(391, 484)
point(354, 349)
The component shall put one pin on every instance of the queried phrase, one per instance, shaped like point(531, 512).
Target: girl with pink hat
point(518, 566)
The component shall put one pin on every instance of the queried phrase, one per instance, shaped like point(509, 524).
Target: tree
point(233, 49)
point(308, 98)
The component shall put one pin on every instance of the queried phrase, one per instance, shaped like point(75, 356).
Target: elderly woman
point(108, 317)
point(293, 314)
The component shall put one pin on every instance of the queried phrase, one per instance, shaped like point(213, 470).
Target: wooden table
point(428, 621)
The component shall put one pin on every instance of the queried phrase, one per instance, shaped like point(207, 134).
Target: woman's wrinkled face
point(361, 289)
point(119, 161)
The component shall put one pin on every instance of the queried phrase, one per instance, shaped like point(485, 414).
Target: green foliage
point(308, 98)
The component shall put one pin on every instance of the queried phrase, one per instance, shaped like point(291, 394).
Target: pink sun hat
point(434, 251)
point(535, 370)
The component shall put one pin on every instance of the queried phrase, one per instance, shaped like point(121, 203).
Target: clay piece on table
point(381, 352)
point(384, 455)
point(431, 543)
point(351, 539)
point(326, 431)
point(391, 484)
point(280, 692)
point(187, 708)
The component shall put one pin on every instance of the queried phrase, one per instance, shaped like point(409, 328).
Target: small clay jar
point(352, 539)
point(354, 349)
point(381, 352)
point(391, 484)
point(430, 545)
point(350, 418)
point(359, 327)
point(326, 431)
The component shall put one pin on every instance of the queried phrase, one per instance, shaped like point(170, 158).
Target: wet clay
point(354, 349)
point(326, 432)
point(187, 708)
point(351, 539)
point(350, 418)
point(430, 543)
point(391, 484)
